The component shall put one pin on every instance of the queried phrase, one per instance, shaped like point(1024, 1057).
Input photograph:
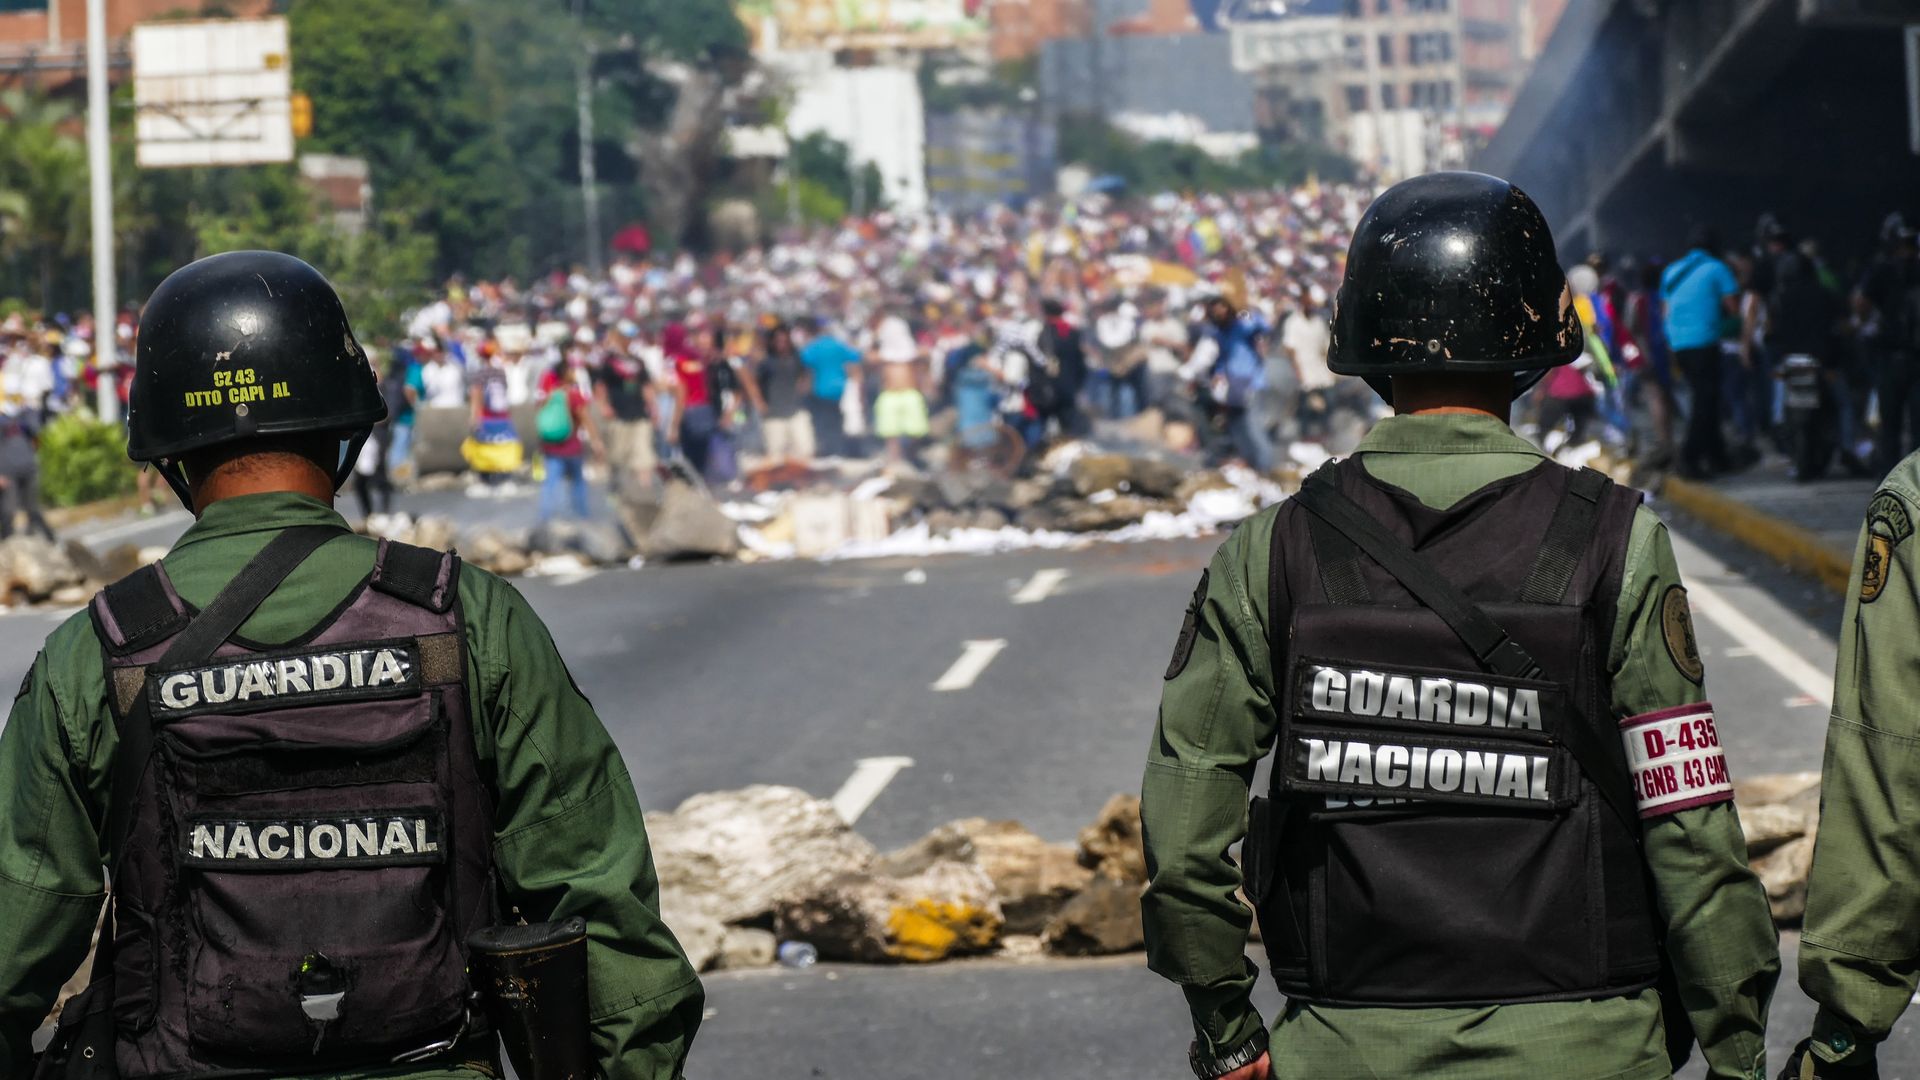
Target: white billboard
point(216, 92)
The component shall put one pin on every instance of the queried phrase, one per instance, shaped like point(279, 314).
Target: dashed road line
point(974, 658)
point(1040, 586)
point(870, 777)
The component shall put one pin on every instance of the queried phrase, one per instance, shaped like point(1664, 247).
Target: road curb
point(1774, 537)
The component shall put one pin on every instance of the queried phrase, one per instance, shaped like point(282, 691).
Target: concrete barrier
point(438, 433)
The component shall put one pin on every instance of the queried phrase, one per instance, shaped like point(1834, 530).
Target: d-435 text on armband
point(1676, 760)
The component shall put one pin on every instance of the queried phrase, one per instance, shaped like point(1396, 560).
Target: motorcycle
point(1810, 415)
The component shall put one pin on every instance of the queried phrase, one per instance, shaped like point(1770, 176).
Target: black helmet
point(244, 345)
point(1452, 272)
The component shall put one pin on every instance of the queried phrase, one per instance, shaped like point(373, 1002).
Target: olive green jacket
point(569, 839)
point(1218, 719)
point(1862, 932)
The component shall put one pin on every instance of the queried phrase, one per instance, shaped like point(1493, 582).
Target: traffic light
point(302, 115)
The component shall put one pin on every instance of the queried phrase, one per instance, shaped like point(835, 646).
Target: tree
point(379, 273)
point(679, 63)
point(43, 178)
point(395, 84)
point(822, 161)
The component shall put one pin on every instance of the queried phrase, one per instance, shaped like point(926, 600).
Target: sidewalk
point(1811, 527)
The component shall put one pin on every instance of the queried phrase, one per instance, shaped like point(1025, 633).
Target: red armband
point(1676, 760)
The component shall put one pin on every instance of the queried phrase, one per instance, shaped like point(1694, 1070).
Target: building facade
point(1402, 86)
point(43, 43)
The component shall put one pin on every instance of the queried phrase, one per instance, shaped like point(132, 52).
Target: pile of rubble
point(37, 571)
point(1780, 814)
point(1078, 496)
point(743, 870)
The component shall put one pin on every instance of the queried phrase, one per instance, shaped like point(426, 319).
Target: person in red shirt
point(566, 459)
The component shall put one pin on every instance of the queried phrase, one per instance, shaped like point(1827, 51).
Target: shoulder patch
point(1888, 525)
point(1189, 629)
point(1676, 626)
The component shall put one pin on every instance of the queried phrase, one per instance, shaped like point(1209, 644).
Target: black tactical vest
point(312, 843)
point(1431, 840)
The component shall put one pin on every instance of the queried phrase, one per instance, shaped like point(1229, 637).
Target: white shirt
point(1306, 339)
point(1118, 328)
point(445, 383)
point(894, 341)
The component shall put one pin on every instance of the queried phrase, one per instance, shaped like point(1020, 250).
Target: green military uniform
point(1218, 719)
point(1862, 931)
point(569, 839)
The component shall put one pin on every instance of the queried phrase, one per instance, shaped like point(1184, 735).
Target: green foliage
point(43, 186)
point(824, 165)
point(1150, 167)
point(464, 110)
point(83, 460)
point(379, 273)
point(396, 84)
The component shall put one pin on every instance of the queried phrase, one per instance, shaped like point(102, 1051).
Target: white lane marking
point(1041, 586)
point(1808, 679)
point(128, 527)
point(1737, 652)
point(974, 658)
point(870, 777)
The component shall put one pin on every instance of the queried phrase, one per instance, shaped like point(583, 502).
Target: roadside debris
point(751, 877)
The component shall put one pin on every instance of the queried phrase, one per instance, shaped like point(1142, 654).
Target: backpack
point(555, 422)
point(1044, 392)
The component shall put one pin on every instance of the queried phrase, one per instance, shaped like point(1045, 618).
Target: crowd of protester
point(1031, 325)
point(1685, 360)
point(849, 342)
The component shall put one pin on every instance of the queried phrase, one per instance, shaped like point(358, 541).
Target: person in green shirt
point(1861, 936)
point(567, 836)
point(1454, 368)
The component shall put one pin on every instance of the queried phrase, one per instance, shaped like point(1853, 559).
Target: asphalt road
point(795, 673)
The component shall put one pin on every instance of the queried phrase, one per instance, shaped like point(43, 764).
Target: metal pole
point(100, 170)
point(1913, 87)
point(53, 23)
point(589, 178)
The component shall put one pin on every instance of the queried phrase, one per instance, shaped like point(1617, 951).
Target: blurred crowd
point(1198, 322)
point(997, 332)
point(1705, 363)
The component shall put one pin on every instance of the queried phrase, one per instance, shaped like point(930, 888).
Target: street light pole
point(100, 175)
point(589, 176)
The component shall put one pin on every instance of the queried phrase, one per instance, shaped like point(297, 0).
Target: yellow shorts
point(900, 414)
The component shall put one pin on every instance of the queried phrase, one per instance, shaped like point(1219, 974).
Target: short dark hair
point(1703, 236)
point(320, 449)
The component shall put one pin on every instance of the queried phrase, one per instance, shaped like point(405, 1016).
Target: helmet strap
point(176, 478)
point(349, 456)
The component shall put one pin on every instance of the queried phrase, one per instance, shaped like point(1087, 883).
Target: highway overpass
point(1643, 117)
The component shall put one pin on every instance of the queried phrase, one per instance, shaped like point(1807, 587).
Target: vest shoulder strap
point(139, 610)
point(1569, 535)
point(420, 576)
point(1336, 554)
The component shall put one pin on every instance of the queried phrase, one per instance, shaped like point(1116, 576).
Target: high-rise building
point(1407, 85)
point(1017, 29)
